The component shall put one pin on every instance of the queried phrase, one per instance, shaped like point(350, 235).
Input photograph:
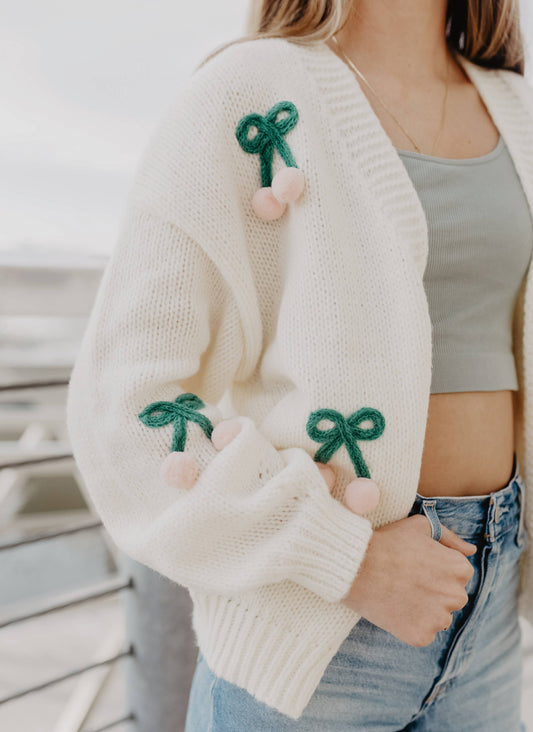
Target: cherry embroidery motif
point(270, 201)
point(362, 494)
point(180, 469)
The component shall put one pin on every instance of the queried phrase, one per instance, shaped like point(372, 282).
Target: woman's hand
point(409, 584)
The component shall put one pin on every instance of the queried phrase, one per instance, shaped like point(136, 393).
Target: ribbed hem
point(331, 548)
point(481, 371)
point(275, 665)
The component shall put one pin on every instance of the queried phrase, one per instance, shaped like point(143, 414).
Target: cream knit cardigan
point(323, 308)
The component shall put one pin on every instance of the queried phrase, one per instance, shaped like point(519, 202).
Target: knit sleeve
point(165, 323)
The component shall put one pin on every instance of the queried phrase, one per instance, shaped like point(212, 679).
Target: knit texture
point(270, 321)
point(345, 432)
point(269, 136)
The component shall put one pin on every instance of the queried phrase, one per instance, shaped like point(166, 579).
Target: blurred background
point(82, 86)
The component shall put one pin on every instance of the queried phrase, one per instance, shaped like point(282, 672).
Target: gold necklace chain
point(356, 70)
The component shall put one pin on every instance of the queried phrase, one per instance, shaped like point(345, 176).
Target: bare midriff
point(469, 443)
point(469, 440)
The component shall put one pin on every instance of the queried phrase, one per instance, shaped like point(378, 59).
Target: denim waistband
point(490, 515)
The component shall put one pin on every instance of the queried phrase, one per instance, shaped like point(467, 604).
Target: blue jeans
point(468, 679)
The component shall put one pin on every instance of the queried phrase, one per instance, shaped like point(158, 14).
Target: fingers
point(450, 539)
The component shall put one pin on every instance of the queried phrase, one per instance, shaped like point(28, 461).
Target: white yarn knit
point(272, 320)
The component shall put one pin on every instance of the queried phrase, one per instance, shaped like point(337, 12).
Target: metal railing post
point(160, 671)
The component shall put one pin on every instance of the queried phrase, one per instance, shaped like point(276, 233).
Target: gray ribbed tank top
point(480, 244)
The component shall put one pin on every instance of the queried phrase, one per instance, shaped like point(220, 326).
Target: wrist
point(358, 591)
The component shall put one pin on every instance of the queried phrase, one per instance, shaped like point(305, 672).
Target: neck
point(399, 38)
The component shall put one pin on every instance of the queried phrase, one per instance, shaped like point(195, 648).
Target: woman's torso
point(469, 440)
point(480, 240)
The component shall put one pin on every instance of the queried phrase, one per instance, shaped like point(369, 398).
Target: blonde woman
point(305, 392)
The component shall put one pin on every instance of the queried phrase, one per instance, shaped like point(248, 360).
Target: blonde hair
point(485, 31)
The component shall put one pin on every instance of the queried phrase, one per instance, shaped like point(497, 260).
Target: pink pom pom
point(288, 184)
point(328, 474)
point(266, 205)
point(179, 470)
point(225, 432)
point(361, 495)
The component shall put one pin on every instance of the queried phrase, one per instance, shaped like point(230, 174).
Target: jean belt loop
point(522, 508)
point(493, 506)
point(428, 506)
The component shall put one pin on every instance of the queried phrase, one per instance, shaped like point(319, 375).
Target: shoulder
point(506, 80)
point(243, 77)
point(193, 157)
point(505, 86)
point(521, 84)
point(260, 58)
point(241, 72)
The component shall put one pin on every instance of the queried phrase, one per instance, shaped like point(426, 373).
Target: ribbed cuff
point(274, 664)
point(331, 549)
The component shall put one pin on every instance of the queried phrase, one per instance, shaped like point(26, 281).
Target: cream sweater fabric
point(323, 308)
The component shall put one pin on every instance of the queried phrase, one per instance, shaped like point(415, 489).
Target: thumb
point(450, 539)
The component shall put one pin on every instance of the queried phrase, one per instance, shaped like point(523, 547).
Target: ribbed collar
point(366, 139)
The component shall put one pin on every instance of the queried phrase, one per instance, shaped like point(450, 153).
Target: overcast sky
point(82, 86)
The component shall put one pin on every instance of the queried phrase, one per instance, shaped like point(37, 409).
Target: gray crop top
point(480, 243)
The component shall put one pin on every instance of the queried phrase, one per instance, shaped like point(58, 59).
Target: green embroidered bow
point(345, 431)
point(269, 136)
point(180, 411)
